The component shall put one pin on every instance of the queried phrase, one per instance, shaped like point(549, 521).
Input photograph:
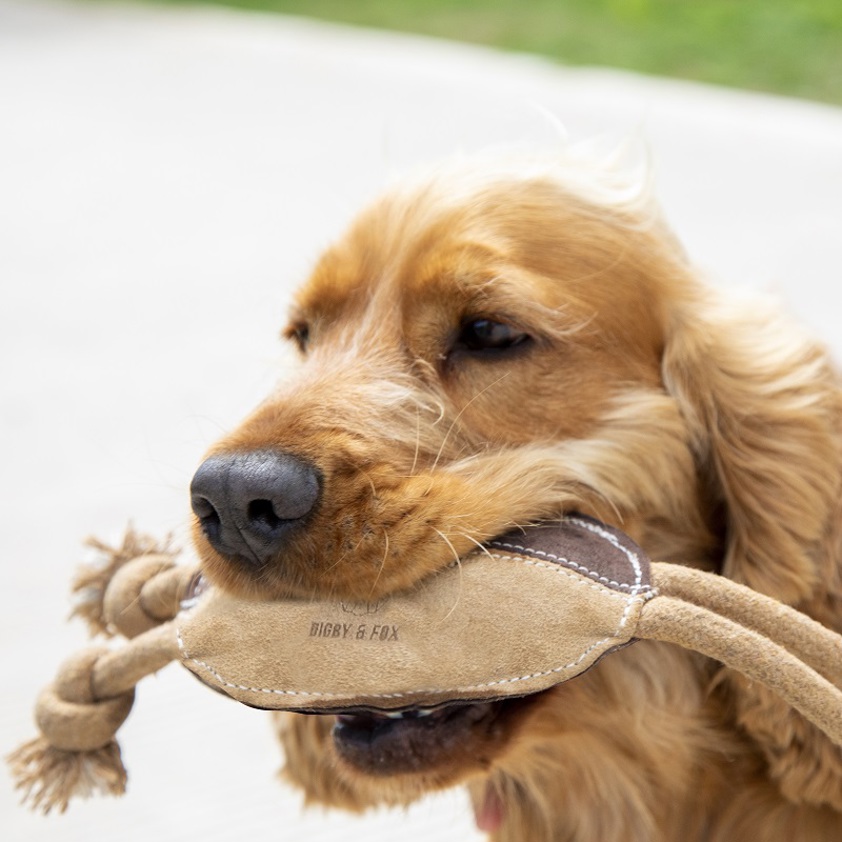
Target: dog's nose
point(249, 503)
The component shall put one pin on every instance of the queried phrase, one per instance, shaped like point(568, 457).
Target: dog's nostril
point(203, 507)
point(207, 514)
point(247, 504)
point(262, 512)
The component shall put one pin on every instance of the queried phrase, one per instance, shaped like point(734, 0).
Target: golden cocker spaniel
point(496, 345)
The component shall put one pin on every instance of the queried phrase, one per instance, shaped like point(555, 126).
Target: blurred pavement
point(166, 178)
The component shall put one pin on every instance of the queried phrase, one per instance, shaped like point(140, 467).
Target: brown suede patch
point(531, 610)
point(614, 561)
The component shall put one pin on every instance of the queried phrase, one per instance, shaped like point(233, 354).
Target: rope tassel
point(49, 777)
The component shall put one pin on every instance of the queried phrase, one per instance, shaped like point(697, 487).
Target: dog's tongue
point(490, 812)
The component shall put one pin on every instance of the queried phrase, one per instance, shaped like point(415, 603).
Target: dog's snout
point(247, 503)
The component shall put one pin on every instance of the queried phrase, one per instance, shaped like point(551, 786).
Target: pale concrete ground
point(165, 179)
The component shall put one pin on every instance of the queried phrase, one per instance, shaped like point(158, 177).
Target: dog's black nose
point(248, 503)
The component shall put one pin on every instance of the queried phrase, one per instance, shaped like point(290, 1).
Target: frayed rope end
point(49, 777)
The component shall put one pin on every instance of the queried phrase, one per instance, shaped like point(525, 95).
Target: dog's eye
point(299, 332)
point(488, 335)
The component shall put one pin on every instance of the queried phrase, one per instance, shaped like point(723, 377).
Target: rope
point(760, 658)
point(809, 640)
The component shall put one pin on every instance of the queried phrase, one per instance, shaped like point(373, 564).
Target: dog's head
point(481, 352)
point(450, 342)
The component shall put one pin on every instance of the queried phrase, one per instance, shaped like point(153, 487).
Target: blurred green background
point(791, 47)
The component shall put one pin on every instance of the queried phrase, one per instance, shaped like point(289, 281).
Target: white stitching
point(643, 593)
point(561, 571)
point(612, 539)
point(570, 563)
point(632, 558)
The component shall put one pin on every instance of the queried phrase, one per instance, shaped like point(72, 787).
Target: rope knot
point(121, 593)
point(71, 716)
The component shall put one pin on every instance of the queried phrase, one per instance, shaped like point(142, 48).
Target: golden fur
point(701, 423)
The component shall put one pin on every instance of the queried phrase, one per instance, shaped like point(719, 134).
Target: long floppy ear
point(764, 406)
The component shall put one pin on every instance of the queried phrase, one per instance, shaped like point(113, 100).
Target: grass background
point(791, 47)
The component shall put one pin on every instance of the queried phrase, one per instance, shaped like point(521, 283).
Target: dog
point(497, 344)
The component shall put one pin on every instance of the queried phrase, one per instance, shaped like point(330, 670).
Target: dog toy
point(459, 636)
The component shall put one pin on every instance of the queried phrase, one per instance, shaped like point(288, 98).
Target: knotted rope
point(134, 593)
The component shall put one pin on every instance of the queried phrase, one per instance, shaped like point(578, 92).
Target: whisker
point(370, 482)
point(382, 563)
point(417, 440)
point(458, 565)
point(459, 415)
point(479, 544)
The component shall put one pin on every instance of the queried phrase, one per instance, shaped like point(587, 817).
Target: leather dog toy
point(458, 636)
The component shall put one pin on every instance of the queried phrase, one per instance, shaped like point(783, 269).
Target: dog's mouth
point(415, 740)
point(427, 741)
point(440, 747)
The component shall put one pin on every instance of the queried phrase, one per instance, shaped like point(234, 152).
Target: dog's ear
point(764, 409)
point(765, 413)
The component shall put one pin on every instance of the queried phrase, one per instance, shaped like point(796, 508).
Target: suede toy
point(458, 636)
